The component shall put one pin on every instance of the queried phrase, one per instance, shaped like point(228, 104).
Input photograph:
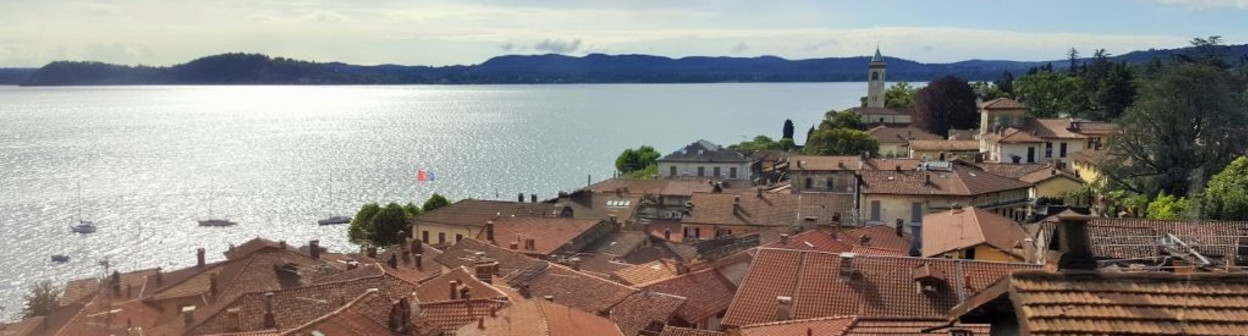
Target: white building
point(708, 160)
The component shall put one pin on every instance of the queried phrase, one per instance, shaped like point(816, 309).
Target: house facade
point(1008, 135)
point(704, 159)
point(889, 196)
point(836, 174)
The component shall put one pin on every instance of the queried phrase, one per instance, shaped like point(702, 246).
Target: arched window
point(875, 75)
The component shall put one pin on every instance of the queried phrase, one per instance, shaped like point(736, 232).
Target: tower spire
point(878, 57)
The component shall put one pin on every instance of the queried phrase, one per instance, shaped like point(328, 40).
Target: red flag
point(422, 176)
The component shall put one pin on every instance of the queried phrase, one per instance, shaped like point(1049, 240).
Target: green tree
point(1006, 83)
point(946, 103)
point(840, 141)
point(636, 159)
point(434, 202)
point(361, 229)
point(787, 132)
point(1226, 197)
point(1207, 51)
point(1050, 94)
point(389, 225)
point(1167, 207)
point(412, 209)
point(900, 95)
point(833, 120)
point(987, 91)
point(1186, 125)
point(43, 299)
point(651, 172)
point(760, 143)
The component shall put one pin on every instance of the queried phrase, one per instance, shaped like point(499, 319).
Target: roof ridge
point(220, 308)
point(344, 307)
point(472, 300)
point(797, 283)
point(813, 319)
point(893, 257)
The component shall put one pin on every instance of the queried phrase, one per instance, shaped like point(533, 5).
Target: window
point(1048, 149)
point(715, 172)
point(697, 232)
point(875, 75)
point(916, 212)
point(732, 172)
point(441, 237)
point(671, 171)
point(810, 183)
point(459, 237)
point(875, 210)
point(1062, 153)
point(1031, 154)
point(424, 236)
point(829, 184)
point(701, 171)
point(970, 253)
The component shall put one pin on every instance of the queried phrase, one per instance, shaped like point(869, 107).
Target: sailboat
point(211, 221)
point(334, 219)
point(83, 226)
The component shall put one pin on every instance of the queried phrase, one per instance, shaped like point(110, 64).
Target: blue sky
point(442, 32)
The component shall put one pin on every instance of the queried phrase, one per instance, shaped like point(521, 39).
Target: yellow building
point(1086, 163)
point(970, 233)
point(895, 140)
point(907, 195)
point(1052, 182)
point(466, 218)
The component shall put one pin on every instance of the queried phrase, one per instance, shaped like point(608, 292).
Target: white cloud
point(558, 46)
point(1208, 4)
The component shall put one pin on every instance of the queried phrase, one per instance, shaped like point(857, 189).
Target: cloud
point(740, 48)
point(558, 46)
point(1208, 4)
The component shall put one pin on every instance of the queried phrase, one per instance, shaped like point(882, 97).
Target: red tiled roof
point(706, 293)
point(961, 181)
point(882, 237)
point(439, 288)
point(1092, 156)
point(369, 314)
point(767, 209)
point(644, 309)
point(1046, 174)
point(678, 331)
point(878, 286)
point(575, 289)
point(945, 145)
point(902, 134)
point(252, 246)
point(818, 240)
point(666, 187)
point(959, 229)
point(865, 110)
point(850, 163)
point(648, 272)
point(541, 318)
point(1002, 104)
point(1210, 238)
point(453, 314)
point(830, 326)
point(101, 317)
point(658, 227)
point(548, 234)
point(1014, 135)
point(464, 253)
point(892, 326)
point(1011, 170)
point(475, 213)
point(25, 327)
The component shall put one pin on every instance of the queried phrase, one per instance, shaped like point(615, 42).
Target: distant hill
point(238, 68)
point(14, 76)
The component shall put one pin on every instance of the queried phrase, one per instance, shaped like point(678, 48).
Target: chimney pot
point(420, 263)
point(900, 226)
point(575, 263)
point(160, 279)
point(489, 232)
point(314, 248)
point(847, 264)
point(1073, 240)
point(784, 239)
point(188, 315)
point(784, 308)
point(515, 245)
point(865, 240)
point(199, 257)
point(281, 245)
point(454, 289)
point(481, 320)
point(269, 320)
point(393, 261)
point(1029, 250)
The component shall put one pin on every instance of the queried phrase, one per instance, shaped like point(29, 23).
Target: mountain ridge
point(242, 68)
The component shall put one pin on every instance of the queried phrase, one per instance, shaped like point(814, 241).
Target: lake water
point(277, 158)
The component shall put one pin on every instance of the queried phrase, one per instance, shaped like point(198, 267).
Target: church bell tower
point(875, 83)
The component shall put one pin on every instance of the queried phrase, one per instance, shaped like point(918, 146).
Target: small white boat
point(83, 226)
point(216, 222)
point(334, 220)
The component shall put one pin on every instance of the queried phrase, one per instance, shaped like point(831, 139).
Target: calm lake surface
point(277, 158)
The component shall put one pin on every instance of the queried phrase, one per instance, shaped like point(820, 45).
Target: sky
point(445, 32)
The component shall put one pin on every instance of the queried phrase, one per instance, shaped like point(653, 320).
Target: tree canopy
point(840, 141)
point(379, 226)
point(900, 95)
point(435, 201)
point(43, 299)
point(833, 119)
point(636, 159)
point(1168, 207)
point(787, 132)
point(1226, 197)
point(945, 103)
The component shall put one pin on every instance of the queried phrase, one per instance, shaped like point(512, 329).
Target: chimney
point(614, 219)
point(233, 317)
point(420, 263)
point(489, 232)
point(847, 264)
point(901, 227)
point(400, 315)
point(418, 246)
point(836, 217)
point(667, 234)
point(784, 239)
point(188, 315)
point(465, 293)
point(393, 261)
point(515, 245)
point(575, 263)
point(916, 239)
point(270, 321)
point(520, 198)
point(898, 167)
point(736, 201)
point(927, 178)
point(759, 192)
point(160, 278)
point(199, 257)
point(784, 308)
point(530, 244)
point(281, 245)
point(1072, 238)
point(485, 271)
point(481, 322)
point(1029, 250)
point(454, 289)
point(314, 248)
point(371, 252)
point(532, 198)
point(864, 240)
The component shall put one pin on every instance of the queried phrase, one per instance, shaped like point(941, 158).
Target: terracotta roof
point(831, 326)
point(819, 240)
point(1210, 238)
point(618, 243)
point(961, 181)
point(678, 331)
point(475, 213)
point(252, 246)
point(1155, 303)
point(588, 205)
point(363, 271)
point(945, 145)
point(850, 163)
point(661, 250)
point(295, 307)
point(1063, 128)
point(666, 187)
point(574, 289)
point(1093, 156)
point(868, 250)
point(910, 327)
point(453, 314)
point(464, 253)
point(704, 151)
point(644, 309)
point(439, 288)
point(1047, 174)
point(601, 265)
point(549, 234)
point(100, 318)
point(706, 293)
point(768, 209)
point(1002, 104)
point(1015, 135)
point(25, 327)
point(959, 229)
point(369, 314)
point(882, 238)
point(648, 272)
point(901, 135)
point(1011, 170)
point(541, 318)
point(880, 111)
point(877, 286)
